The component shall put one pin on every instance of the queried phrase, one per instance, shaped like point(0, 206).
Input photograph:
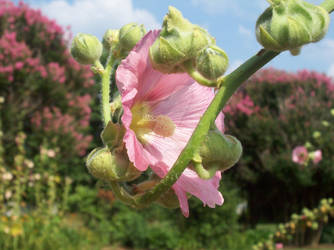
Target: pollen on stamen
point(163, 126)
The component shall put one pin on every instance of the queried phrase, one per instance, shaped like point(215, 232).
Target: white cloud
point(96, 16)
point(245, 31)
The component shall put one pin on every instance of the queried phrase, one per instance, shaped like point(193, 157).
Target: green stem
point(105, 91)
point(328, 5)
point(121, 194)
point(228, 86)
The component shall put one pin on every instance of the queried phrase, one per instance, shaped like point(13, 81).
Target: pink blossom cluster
point(52, 120)
point(16, 57)
point(271, 75)
point(241, 103)
point(26, 37)
point(49, 30)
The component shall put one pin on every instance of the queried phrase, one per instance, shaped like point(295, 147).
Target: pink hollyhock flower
point(300, 155)
point(161, 112)
point(279, 245)
point(317, 156)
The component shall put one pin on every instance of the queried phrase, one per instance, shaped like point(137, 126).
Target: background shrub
point(273, 113)
point(45, 93)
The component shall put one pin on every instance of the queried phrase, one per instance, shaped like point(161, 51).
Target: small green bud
point(332, 112)
point(325, 123)
point(179, 41)
point(316, 134)
point(110, 39)
point(129, 35)
point(212, 62)
point(289, 24)
point(111, 166)
point(220, 150)
point(86, 49)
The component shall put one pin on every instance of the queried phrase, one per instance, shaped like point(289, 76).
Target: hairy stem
point(105, 92)
point(229, 85)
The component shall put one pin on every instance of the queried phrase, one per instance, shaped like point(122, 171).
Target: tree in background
point(45, 93)
point(274, 113)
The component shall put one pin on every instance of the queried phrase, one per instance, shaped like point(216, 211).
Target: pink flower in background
point(279, 246)
point(300, 155)
point(317, 156)
point(161, 112)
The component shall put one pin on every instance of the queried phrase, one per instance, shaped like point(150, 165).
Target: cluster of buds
point(186, 47)
point(293, 232)
point(87, 49)
point(290, 24)
point(122, 41)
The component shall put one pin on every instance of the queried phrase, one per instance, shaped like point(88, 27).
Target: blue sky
point(230, 22)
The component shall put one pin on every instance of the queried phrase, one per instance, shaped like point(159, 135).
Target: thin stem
point(328, 5)
point(229, 85)
point(121, 194)
point(105, 91)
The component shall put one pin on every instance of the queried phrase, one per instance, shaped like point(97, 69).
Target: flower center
point(143, 122)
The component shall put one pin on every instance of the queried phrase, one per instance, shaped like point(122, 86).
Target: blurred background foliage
point(49, 119)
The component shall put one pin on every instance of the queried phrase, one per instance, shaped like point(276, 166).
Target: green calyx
point(218, 152)
point(86, 49)
point(129, 35)
point(111, 166)
point(289, 24)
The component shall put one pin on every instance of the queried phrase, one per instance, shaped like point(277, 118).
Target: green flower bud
point(110, 39)
point(211, 62)
point(179, 41)
point(111, 166)
point(129, 35)
point(316, 134)
point(86, 49)
point(218, 152)
point(325, 123)
point(289, 24)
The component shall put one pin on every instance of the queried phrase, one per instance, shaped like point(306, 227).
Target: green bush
point(272, 114)
point(43, 91)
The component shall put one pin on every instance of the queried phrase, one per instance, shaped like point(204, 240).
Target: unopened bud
point(212, 62)
point(289, 24)
point(108, 166)
point(129, 35)
point(86, 49)
point(110, 38)
point(220, 150)
point(217, 153)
